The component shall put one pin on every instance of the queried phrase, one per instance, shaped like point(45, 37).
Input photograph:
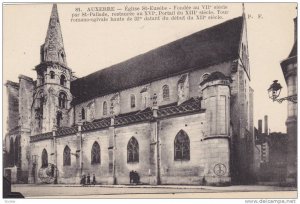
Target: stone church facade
point(178, 114)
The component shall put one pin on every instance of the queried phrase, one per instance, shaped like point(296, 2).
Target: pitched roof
point(294, 50)
point(211, 46)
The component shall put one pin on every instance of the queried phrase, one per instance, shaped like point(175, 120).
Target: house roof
point(208, 47)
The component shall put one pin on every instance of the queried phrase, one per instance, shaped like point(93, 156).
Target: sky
point(95, 45)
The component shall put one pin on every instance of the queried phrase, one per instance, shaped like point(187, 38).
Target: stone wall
point(182, 172)
point(141, 132)
point(13, 105)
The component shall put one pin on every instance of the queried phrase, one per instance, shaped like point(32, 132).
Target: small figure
point(94, 179)
point(88, 180)
point(82, 181)
point(135, 177)
point(131, 176)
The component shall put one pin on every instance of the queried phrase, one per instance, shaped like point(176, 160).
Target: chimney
point(266, 125)
point(259, 126)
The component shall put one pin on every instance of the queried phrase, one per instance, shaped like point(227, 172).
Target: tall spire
point(53, 48)
point(243, 7)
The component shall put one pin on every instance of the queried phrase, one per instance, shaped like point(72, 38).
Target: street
point(122, 191)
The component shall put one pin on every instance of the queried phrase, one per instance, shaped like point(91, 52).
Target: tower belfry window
point(62, 100)
point(62, 80)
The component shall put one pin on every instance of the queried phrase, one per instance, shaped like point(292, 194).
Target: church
point(179, 114)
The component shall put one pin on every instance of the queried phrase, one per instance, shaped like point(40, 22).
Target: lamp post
point(274, 92)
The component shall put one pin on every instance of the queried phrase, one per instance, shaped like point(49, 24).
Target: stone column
point(111, 153)
point(154, 171)
point(54, 154)
point(79, 153)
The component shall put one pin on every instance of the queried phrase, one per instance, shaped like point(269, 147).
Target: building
point(289, 68)
point(178, 114)
point(271, 155)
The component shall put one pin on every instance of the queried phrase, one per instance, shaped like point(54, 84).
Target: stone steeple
point(53, 48)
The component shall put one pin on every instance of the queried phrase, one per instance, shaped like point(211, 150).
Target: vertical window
point(166, 93)
point(95, 154)
point(132, 150)
point(62, 100)
point(182, 146)
point(82, 114)
point(67, 156)
point(11, 152)
point(132, 101)
point(104, 108)
point(44, 158)
point(52, 74)
point(62, 80)
point(58, 118)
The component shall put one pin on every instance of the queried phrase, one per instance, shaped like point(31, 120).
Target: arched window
point(62, 80)
point(44, 158)
point(182, 146)
point(166, 92)
point(132, 101)
point(82, 114)
point(95, 154)
point(133, 150)
point(62, 100)
point(104, 108)
point(67, 156)
point(52, 74)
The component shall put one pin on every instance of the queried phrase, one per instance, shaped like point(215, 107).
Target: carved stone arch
point(62, 91)
point(181, 146)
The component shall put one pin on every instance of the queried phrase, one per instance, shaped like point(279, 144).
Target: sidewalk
point(244, 188)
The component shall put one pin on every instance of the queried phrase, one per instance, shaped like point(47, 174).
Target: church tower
point(52, 94)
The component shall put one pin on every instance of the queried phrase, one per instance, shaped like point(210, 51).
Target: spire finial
point(243, 6)
point(54, 13)
point(53, 49)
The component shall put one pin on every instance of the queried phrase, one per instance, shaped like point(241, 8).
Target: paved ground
point(123, 191)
